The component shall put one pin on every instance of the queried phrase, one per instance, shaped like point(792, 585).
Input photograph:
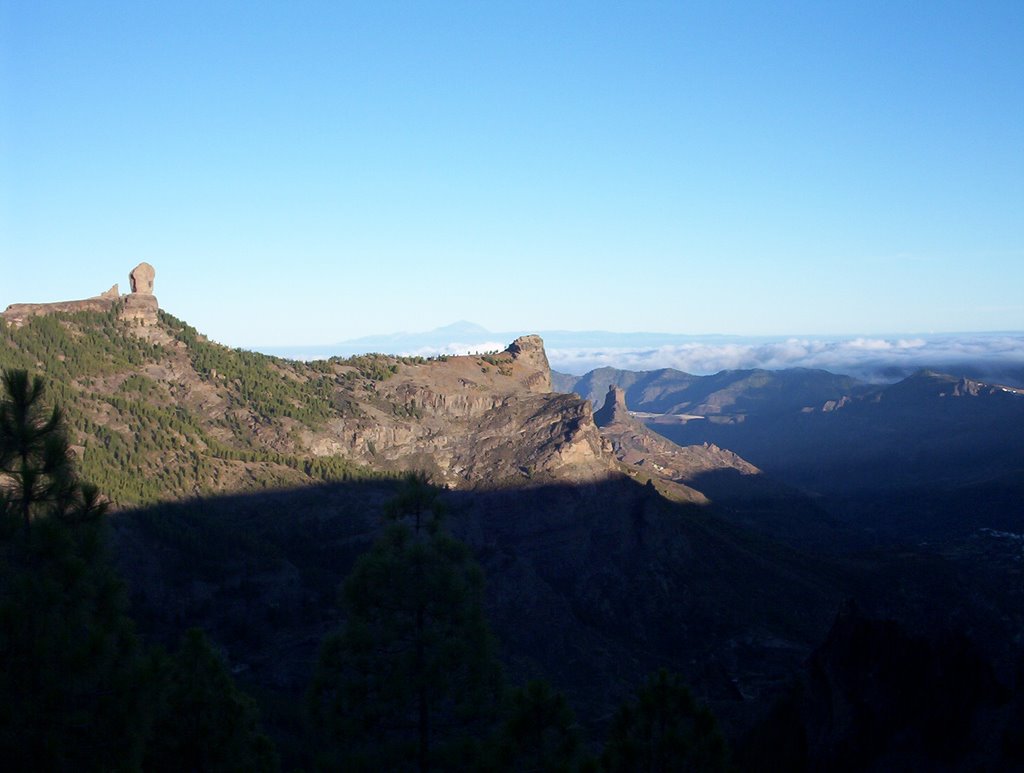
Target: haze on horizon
point(310, 174)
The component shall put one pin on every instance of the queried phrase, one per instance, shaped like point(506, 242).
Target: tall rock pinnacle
point(614, 408)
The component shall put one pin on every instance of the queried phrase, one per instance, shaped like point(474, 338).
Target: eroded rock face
point(475, 421)
point(141, 308)
point(644, 454)
point(529, 350)
point(142, 277)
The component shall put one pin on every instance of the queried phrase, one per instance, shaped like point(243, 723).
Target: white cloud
point(457, 348)
point(873, 359)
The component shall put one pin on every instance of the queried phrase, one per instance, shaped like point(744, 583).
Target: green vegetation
point(203, 721)
point(538, 732)
point(374, 366)
point(78, 691)
point(664, 729)
point(35, 470)
point(272, 387)
point(75, 689)
point(141, 442)
point(72, 346)
point(412, 677)
point(411, 681)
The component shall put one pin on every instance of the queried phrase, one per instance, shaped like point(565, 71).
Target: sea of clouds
point(999, 357)
point(995, 357)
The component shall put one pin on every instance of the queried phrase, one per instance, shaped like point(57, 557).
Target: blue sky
point(311, 172)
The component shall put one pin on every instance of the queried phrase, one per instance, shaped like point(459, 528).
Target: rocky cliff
point(673, 469)
point(473, 421)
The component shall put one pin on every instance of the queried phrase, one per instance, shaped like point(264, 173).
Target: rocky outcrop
point(529, 351)
point(17, 314)
point(675, 470)
point(141, 278)
point(614, 408)
point(140, 307)
point(475, 421)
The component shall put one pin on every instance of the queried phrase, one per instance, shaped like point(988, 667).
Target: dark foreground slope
point(591, 587)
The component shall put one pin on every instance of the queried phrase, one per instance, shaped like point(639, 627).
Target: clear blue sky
point(308, 172)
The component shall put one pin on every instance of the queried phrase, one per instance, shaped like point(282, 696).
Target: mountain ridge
point(157, 410)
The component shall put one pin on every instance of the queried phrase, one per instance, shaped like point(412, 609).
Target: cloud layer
point(996, 357)
point(999, 357)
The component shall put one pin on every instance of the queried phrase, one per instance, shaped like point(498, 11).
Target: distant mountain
point(733, 392)
point(929, 456)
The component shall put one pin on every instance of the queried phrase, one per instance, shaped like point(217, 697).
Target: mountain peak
point(463, 328)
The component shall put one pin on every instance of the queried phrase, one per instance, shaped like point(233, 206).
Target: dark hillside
point(589, 587)
point(929, 430)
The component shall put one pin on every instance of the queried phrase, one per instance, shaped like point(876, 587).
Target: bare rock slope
point(645, 454)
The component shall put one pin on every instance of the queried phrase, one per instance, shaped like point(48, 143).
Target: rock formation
point(614, 408)
point(529, 350)
point(470, 421)
point(141, 278)
point(141, 306)
point(675, 470)
point(17, 314)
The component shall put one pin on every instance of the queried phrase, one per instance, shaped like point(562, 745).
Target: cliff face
point(674, 470)
point(474, 421)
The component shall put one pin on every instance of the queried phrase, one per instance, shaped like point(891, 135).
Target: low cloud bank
point(998, 357)
point(995, 357)
point(455, 349)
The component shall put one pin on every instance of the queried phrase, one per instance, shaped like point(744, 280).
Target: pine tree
point(35, 468)
point(413, 670)
point(73, 684)
point(662, 730)
point(205, 722)
point(538, 733)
